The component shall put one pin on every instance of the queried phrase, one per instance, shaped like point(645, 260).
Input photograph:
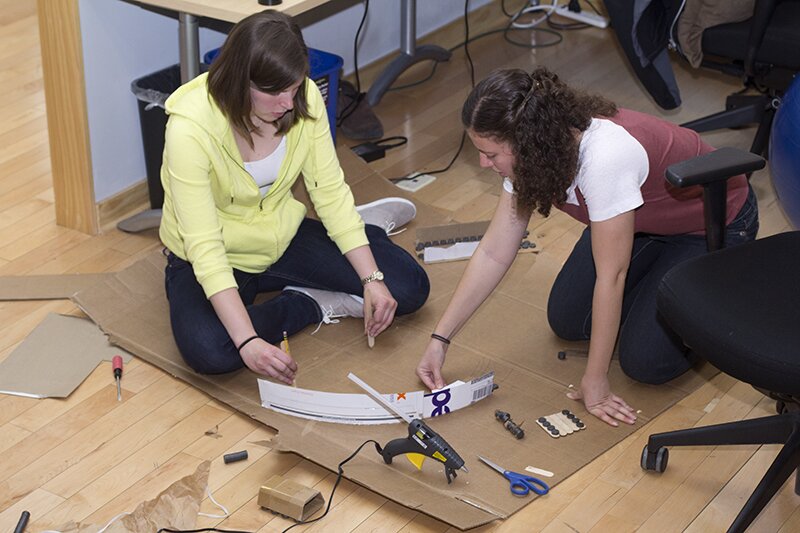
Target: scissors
point(521, 484)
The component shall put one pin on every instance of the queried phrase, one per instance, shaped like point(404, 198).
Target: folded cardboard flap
point(290, 498)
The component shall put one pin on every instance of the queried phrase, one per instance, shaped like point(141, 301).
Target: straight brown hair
point(266, 49)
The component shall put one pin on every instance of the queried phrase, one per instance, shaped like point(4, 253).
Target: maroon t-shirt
point(667, 210)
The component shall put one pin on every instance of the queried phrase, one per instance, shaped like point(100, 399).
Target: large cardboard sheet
point(509, 336)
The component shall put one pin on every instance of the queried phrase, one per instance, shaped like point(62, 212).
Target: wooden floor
point(88, 458)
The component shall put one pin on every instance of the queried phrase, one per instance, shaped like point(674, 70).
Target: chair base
point(779, 429)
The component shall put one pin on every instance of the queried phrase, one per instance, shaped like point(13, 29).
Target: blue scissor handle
point(521, 485)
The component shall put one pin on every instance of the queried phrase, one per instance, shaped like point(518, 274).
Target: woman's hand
point(601, 402)
point(263, 358)
point(379, 308)
point(430, 366)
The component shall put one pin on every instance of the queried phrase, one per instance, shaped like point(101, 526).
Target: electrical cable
point(359, 96)
point(463, 133)
point(201, 530)
point(336, 484)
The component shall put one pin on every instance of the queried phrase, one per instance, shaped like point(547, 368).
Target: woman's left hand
point(601, 402)
point(379, 308)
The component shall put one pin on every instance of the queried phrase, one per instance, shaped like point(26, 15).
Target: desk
point(226, 10)
point(235, 10)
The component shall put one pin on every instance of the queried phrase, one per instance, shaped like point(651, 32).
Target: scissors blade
point(493, 465)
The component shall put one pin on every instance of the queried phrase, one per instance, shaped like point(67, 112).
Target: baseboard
point(125, 203)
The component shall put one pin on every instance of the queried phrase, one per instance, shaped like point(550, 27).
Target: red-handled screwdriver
point(116, 363)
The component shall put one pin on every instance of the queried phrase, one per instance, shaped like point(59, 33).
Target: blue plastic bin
point(324, 70)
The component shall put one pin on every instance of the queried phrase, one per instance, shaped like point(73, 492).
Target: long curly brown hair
point(539, 116)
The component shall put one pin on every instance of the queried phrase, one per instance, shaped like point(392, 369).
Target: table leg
point(410, 53)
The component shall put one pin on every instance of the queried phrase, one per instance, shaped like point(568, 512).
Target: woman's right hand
point(430, 366)
point(263, 358)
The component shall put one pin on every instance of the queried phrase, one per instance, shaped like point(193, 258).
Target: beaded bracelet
point(439, 338)
point(239, 348)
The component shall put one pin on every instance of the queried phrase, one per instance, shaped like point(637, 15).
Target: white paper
point(459, 250)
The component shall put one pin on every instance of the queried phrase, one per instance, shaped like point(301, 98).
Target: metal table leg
point(410, 53)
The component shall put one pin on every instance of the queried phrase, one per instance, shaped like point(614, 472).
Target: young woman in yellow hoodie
point(237, 139)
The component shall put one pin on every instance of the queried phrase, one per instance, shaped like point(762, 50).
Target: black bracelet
point(239, 348)
point(440, 338)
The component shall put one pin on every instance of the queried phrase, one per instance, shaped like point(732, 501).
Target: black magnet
point(235, 456)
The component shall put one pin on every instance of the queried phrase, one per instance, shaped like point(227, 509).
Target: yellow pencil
point(285, 344)
point(285, 348)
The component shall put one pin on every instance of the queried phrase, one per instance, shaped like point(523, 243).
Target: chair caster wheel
point(655, 461)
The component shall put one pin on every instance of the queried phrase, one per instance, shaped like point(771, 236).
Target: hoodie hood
point(193, 102)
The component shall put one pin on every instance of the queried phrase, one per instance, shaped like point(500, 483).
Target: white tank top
point(265, 171)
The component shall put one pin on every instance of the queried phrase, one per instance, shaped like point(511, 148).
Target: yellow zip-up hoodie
point(214, 215)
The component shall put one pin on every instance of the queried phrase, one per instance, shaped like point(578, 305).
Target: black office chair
point(739, 308)
point(763, 51)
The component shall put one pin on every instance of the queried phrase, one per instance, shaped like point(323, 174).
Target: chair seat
point(781, 45)
point(740, 309)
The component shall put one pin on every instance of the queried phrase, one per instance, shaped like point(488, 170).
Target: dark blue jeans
point(311, 260)
point(649, 351)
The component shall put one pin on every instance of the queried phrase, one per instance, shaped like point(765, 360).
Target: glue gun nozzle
point(464, 468)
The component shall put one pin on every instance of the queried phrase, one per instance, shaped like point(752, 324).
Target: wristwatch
point(375, 276)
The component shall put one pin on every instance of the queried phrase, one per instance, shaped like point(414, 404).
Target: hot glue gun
point(421, 442)
point(424, 442)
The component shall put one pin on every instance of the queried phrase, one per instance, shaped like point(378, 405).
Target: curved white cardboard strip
point(344, 408)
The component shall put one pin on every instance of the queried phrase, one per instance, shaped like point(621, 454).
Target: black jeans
point(311, 260)
point(648, 350)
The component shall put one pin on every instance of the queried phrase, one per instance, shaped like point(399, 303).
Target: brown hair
point(267, 50)
point(538, 115)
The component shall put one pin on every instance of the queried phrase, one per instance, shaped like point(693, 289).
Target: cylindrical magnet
point(235, 456)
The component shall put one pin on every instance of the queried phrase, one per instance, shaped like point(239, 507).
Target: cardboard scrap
point(46, 287)
point(176, 507)
point(56, 357)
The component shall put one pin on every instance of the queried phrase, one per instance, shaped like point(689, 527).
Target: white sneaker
point(388, 213)
point(333, 305)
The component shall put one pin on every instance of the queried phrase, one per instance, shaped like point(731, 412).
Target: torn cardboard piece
point(175, 508)
point(50, 287)
point(56, 357)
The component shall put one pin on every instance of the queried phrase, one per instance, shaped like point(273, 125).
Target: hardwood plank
point(69, 449)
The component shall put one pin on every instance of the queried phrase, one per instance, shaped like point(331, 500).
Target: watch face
point(379, 275)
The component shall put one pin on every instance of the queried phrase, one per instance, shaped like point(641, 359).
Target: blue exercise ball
point(784, 153)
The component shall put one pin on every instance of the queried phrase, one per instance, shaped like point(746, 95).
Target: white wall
point(122, 42)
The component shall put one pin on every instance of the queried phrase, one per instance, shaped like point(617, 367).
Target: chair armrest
point(718, 165)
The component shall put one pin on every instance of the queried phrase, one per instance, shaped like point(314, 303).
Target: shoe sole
point(391, 200)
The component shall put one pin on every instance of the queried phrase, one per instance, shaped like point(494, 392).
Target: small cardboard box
point(286, 497)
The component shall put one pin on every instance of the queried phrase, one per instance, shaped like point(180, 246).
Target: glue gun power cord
point(336, 484)
point(327, 508)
